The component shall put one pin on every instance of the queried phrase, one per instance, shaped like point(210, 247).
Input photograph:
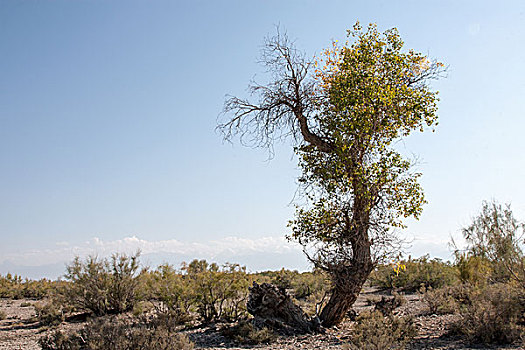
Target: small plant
point(246, 333)
point(373, 331)
point(51, 313)
point(2, 315)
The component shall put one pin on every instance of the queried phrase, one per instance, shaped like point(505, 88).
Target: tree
point(345, 112)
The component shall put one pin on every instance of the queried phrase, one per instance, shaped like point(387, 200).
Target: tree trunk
point(348, 281)
point(273, 308)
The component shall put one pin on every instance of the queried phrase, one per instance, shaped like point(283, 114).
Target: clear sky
point(108, 111)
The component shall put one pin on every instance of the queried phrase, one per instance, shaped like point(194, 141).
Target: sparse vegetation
point(145, 309)
point(420, 273)
point(373, 331)
point(119, 334)
point(246, 333)
point(496, 314)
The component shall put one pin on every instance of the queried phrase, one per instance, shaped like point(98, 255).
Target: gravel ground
point(19, 331)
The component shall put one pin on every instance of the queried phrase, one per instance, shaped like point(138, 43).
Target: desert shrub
point(494, 242)
point(218, 292)
point(495, 314)
point(449, 299)
point(374, 331)
point(309, 283)
point(3, 315)
point(15, 287)
point(417, 273)
point(104, 286)
point(170, 291)
point(51, 313)
point(246, 333)
point(119, 334)
point(473, 269)
point(25, 304)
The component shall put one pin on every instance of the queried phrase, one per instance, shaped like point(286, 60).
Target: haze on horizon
point(108, 113)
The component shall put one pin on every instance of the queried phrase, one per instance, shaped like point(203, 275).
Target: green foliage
point(245, 333)
point(418, 273)
point(373, 331)
point(496, 314)
point(104, 286)
point(300, 284)
point(495, 241)
point(218, 292)
point(171, 292)
point(119, 334)
point(473, 269)
point(371, 94)
point(14, 287)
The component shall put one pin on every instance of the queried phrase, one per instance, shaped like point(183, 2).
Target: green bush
point(495, 314)
point(103, 286)
point(218, 293)
point(373, 331)
point(170, 292)
point(418, 273)
point(494, 245)
point(119, 334)
point(14, 287)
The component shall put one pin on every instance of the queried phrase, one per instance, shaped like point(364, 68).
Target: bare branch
point(283, 108)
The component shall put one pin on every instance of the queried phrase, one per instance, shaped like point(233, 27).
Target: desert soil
point(20, 331)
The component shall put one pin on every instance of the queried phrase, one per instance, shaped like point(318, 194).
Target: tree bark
point(272, 307)
point(348, 281)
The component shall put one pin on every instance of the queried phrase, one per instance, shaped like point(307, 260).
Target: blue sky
point(108, 111)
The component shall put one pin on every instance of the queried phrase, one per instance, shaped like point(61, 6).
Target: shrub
point(104, 286)
point(2, 315)
point(218, 292)
point(51, 313)
point(418, 273)
point(246, 333)
point(473, 269)
point(307, 284)
point(170, 292)
point(373, 331)
point(119, 334)
point(496, 314)
point(14, 287)
point(495, 240)
point(449, 299)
